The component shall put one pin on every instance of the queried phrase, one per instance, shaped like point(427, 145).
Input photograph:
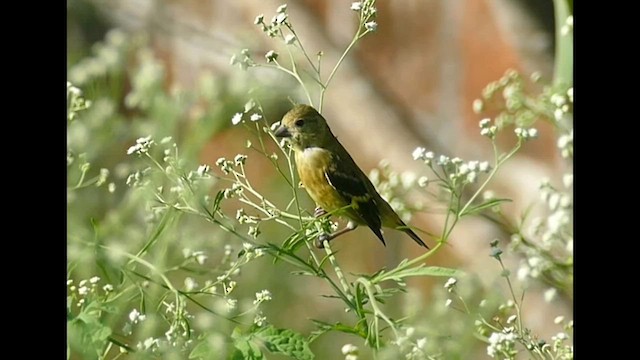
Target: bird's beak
point(283, 132)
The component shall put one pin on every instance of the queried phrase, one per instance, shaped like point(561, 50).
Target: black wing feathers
point(353, 189)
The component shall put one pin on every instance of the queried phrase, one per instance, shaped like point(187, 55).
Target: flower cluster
point(75, 101)
point(455, 170)
point(502, 344)
point(248, 107)
point(368, 12)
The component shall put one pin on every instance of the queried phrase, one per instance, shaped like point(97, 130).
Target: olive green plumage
point(332, 178)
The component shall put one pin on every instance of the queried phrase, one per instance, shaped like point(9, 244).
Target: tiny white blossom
point(356, 6)
point(484, 122)
point(259, 19)
point(83, 290)
point(235, 120)
point(450, 283)
point(271, 56)
point(558, 114)
point(107, 288)
point(371, 26)
point(231, 304)
point(550, 294)
point(349, 349)
point(511, 319)
point(423, 181)
point(290, 39)
point(149, 342)
point(203, 170)
point(200, 257)
point(282, 8)
point(279, 19)
point(262, 296)
point(484, 166)
point(567, 180)
point(255, 117)
point(133, 315)
point(533, 133)
point(94, 279)
point(420, 343)
point(448, 302)
point(240, 159)
point(190, 284)
point(418, 153)
point(259, 319)
point(558, 319)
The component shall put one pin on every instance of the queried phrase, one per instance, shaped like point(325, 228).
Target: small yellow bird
point(332, 178)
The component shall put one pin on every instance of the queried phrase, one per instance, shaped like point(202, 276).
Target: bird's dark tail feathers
point(415, 237)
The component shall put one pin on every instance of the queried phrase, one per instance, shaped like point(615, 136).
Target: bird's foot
point(321, 239)
point(319, 212)
point(328, 237)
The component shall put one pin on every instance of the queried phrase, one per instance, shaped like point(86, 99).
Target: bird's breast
point(313, 164)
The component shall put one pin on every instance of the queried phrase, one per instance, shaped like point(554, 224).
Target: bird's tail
point(412, 234)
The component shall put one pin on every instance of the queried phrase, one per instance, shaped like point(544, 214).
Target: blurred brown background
point(409, 84)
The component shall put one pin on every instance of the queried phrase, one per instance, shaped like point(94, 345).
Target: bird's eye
point(299, 122)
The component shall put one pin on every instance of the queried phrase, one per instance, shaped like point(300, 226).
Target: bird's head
point(305, 127)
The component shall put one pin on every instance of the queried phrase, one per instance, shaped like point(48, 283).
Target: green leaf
point(202, 350)
point(245, 350)
point(419, 271)
point(285, 341)
point(485, 205)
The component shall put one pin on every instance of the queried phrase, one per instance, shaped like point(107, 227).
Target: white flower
point(255, 117)
point(371, 26)
point(349, 349)
point(134, 315)
point(558, 319)
point(448, 302)
point(262, 296)
point(107, 288)
point(259, 19)
point(511, 319)
point(231, 304)
point(83, 290)
point(271, 56)
point(550, 294)
point(282, 8)
point(190, 284)
point(289, 39)
point(203, 170)
point(484, 122)
point(356, 6)
point(423, 181)
point(420, 343)
point(450, 283)
point(418, 153)
point(240, 159)
point(484, 166)
point(94, 279)
point(235, 120)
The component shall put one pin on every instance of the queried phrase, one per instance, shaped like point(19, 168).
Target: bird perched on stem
point(332, 178)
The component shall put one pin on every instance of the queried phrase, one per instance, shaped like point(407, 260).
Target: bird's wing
point(344, 176)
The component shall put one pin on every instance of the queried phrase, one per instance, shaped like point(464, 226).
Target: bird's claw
point(321, 239)
point(319, 212)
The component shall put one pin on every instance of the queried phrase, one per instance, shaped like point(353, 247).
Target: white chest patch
point(315, 156)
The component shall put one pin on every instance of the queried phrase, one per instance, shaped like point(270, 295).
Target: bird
point(332, 178)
